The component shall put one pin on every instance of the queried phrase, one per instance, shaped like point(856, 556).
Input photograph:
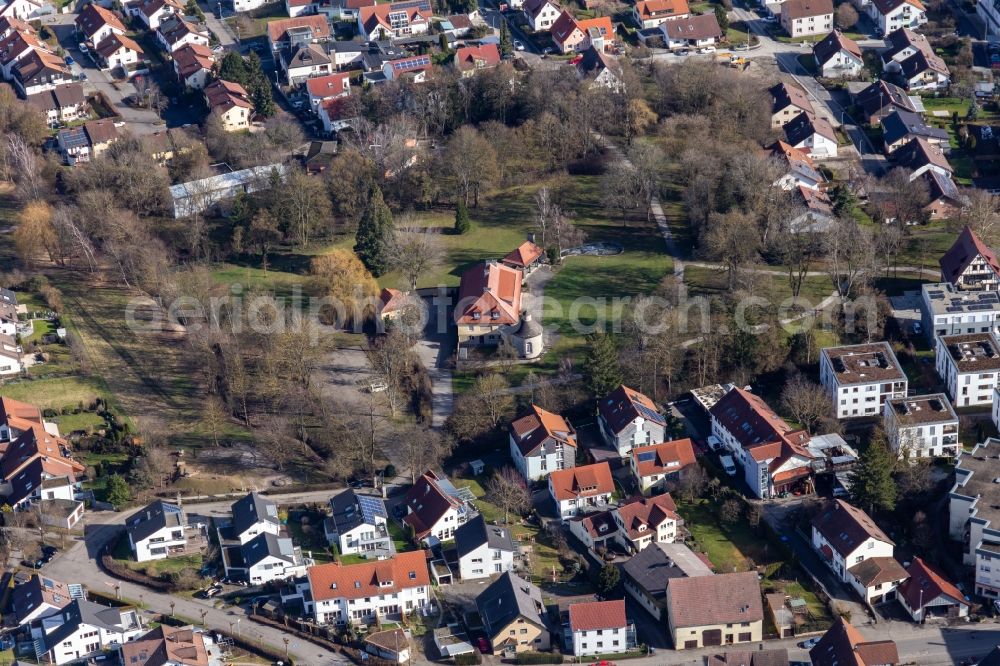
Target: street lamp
point(172, 604)
point(203, 614)
point(285, 639)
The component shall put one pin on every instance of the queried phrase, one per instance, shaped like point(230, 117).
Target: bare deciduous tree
point(806, 402)
point(415, 251)
point(507, 489)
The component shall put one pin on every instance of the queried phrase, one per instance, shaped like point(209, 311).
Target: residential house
point(923, 426)
point(601, 69)
point(18, 417)
point(928, 594)
point(693, 31)
point(541, 14)
point(16, 46)
point(946, 201)
point(359, 525)
point(434, 508)
point(512, 612)
point(877, 579)
point(581, 489)
point(816, 214)
point(600, 627)
point(651, 13)
point(391, 645)
point(40, 596)
point(10, 357)
point(526, 257)
point(628, 419)
point(843, 644)
point(83, 629)
point(489, 298)
point(323, 88)
point(575, 36)
point(196, 196)
point(176, 31)
point(414, 69)
point(483, 550)
point(946, 310)
point(800, 170)
point(719, 609)
point(288, 33)
point(838, 56)
point(811, 134)
point(470, 59)
point(890, 15)
point(646, 521)
point(155, 12)
point(394, 20)
point(118, 51)
point(343, 594)
point(458, 25)
point(392, 302)
point(970, 264)
point(969, 366)
point(860, 378)
point(39, 70)
point(193, 65)
point(657, 466)
point(648, 574)
point(172, 646)
point(773, 454)
point(882, 98)
point(594, 530)
point(296, 8)
point(252, 515)
point(973, 519)
point(24, 9)
point(158, 531)
point(912, 57)
point(12, 24)
point(231, 103)
point(264, 558)
point(304, 62)
point(88, 141)
point(94, 24)
point(37, 466)
point(541, 442)
point(920, 156)
point(801, 18)
point(846, 536)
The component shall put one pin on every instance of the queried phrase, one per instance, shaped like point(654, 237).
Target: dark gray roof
point(476, 532)
point(86, 612)
point(351, 509)
point(900, 124)
point(154, 518)
point(307, 55)
point(266, 544)
point(26, 597)
point(656, 564)
point(8, 296)
point(508, 598)
point(252, 509)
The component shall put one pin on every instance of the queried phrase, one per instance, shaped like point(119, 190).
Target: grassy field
point(57, 393)
point(730, 547)
point(713, 281)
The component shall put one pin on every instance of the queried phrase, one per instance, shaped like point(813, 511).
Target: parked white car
point(728, 466)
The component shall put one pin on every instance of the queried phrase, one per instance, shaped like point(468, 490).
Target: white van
point(714, 443)
point(728, 466)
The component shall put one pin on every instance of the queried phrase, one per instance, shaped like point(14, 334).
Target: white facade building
point(541, 442)
point(923, 426)
point(845, 536)
point(600, 627)
point(969, 366)
point(483, 550)
point(860, 378)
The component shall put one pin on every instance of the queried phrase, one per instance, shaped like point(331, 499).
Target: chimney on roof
point(531, 236)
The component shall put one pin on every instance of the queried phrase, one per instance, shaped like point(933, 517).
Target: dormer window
point(475, 316)
point(413, 575)
point(494, 315)
point(357, 584)
point(333, 586)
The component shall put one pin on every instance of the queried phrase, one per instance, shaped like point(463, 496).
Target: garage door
point(688, 645)
point(711, 637)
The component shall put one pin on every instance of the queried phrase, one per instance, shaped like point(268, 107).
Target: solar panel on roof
point(370, 508)
point(648, 413)
point(648, 456)
point(422, 5)
point(73, 138)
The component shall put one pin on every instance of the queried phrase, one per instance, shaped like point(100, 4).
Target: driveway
point(435, 349)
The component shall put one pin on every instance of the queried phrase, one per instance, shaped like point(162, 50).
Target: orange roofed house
point(600, 627)
point(771, 452)
point(580, 488)
point(659, 464)
point(489, 310)
point(526, 257)
point(171, 645)
point(650, 520)
point(970, 264)
point(575, 36)
point(542, 442)
point(393, 21)
point(843, 645)
point(361, 593)
point(651, 13)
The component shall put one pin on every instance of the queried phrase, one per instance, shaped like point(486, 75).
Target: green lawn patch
point(736, 547)
point(168, 565)
point(57, 393)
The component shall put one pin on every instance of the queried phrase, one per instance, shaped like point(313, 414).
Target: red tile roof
point(427, 502)
point(539, 428)
point(331, 85)
point(369, 579)
point(36, 444)
point(585, 481)
point(390, 299)
point(668, 457)
point(925, 584)
point(646, 515)
point(93, 17)
point(525, 254)
point(961, 254)
point(469, 58)
point(493, 292)
point(320, 28)
point(650, 9)
point(624, 405)
point(597, 615)
point(843, 645)
point(846, 527)
point(192, 58)
point(710, 600)
point(752, 421)
point(378, 16)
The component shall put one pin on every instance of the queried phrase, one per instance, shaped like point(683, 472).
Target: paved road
point(218, 28)
point(78, 565)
